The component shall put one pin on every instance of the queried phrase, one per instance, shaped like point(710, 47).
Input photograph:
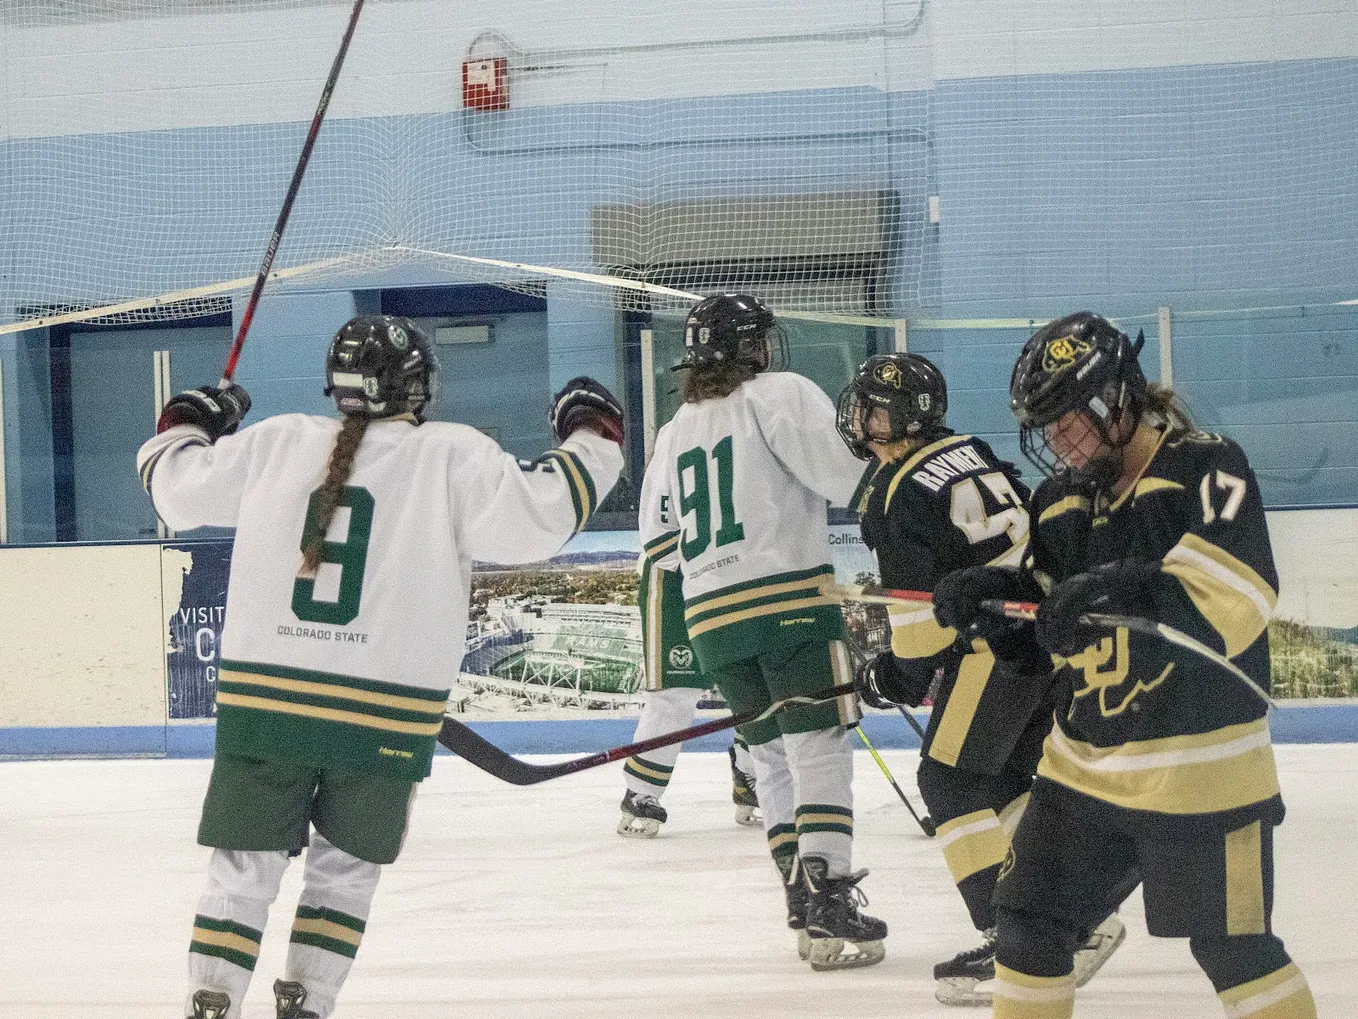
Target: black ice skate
point(959, 978)
point(841, 936)
point(642, 816)
point(798, 900)
point(209, 1005)
point(1102, 942)
point(742, 793)
point(290, 996)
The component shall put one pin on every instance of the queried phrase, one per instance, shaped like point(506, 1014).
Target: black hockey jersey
point(1145, 724)
point(949, 505)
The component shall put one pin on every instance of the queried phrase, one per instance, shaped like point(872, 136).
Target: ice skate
point(797, 902)
point(961, 978)
point(642, 816)
point(1103, 941)
point(290, 996)
point(743, 794)
point(209, 1005)
point(841, 937)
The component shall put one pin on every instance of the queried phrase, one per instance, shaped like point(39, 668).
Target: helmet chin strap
point(1100, 475)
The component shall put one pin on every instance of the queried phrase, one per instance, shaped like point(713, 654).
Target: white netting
point(146, 149)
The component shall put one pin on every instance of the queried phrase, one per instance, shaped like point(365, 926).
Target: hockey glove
point(885, 681)
point(958, 597)
point(216, 411)
point(1120, 587)
point(586, 402)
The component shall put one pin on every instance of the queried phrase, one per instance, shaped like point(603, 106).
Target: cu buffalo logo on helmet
point(681, 657)
point(888, 375)
point(1064, 351)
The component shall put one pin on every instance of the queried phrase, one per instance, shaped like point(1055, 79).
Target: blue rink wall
point(1291, 723)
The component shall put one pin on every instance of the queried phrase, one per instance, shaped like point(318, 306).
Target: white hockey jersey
point(736, 493)
point(352, 669)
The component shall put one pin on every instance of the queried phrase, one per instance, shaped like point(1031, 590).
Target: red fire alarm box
point(485, 84)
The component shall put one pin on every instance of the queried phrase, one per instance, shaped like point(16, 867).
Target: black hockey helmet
point(729, 328)
point(911, 390)
point(1084, 363)
point(380, 365)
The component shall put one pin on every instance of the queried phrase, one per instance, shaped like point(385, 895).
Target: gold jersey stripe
point(914, 461)
point(1148, 485)
point(225, 939)
point(1245, 881)
point(328, 929)
point(772, 608)
point(767, 591)
point(976, 847)
point(347, 693)
point(655, 580)
point(1203, 773)
point(1231, 596)
point(576, 479)
point(1263, 996)
point(916, 634)
point(1069, 504)
point(960, 711)
point(330, 714)
point(636, 764)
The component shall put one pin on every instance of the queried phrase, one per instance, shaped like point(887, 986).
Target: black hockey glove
point(885, 681)
point(217, 411)
point(1120, 587)
point(585, 402)
point(957, 603)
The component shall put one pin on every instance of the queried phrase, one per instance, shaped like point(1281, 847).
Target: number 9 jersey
point(736, 494)
point(351, 668)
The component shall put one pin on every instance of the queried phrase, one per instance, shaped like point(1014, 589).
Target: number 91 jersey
point(736, 494)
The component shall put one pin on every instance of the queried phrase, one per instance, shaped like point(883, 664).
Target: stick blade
point(481, 753)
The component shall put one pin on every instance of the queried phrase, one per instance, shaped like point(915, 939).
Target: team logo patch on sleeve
point(1064, 351)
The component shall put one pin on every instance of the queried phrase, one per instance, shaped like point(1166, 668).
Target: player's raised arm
point(195, 466)
point(520, 511)
point(798, 422)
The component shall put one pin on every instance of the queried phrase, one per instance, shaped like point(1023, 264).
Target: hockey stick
point(483, 754)
point(926, 823)
point(1028, 611)
point(249, 314)
point(1110, 621)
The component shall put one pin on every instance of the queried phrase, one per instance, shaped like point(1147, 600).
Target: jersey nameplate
point(943, 467)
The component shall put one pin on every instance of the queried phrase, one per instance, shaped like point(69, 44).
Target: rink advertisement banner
point(194, 577)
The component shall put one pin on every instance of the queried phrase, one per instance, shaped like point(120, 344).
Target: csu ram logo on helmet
point(1063, 351)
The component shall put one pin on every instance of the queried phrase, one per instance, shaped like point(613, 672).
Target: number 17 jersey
point(736, 494)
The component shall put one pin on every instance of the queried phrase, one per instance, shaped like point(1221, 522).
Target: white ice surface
point(518, 903)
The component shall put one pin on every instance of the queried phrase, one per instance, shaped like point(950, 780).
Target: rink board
point(1302, 723)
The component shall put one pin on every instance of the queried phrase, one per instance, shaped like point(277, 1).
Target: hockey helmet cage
point(908, 387)
point(380, 365)
point(1084, 363)
point(728, 328)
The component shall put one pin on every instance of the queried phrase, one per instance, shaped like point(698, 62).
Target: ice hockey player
point(736, 495)
point(674, 685)
point(932, 502)
point(1160, 761)
point(353, 545)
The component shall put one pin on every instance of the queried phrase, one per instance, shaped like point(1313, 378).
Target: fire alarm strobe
point(485, 84)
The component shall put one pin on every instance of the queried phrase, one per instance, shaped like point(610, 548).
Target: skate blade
point(748, 816)
point(963, 991)
point(830, 953)
point(638, 827)
point(1107, 937)
point(803, 945)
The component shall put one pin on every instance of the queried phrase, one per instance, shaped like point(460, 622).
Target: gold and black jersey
point(951, 504)
point(1144, 724)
